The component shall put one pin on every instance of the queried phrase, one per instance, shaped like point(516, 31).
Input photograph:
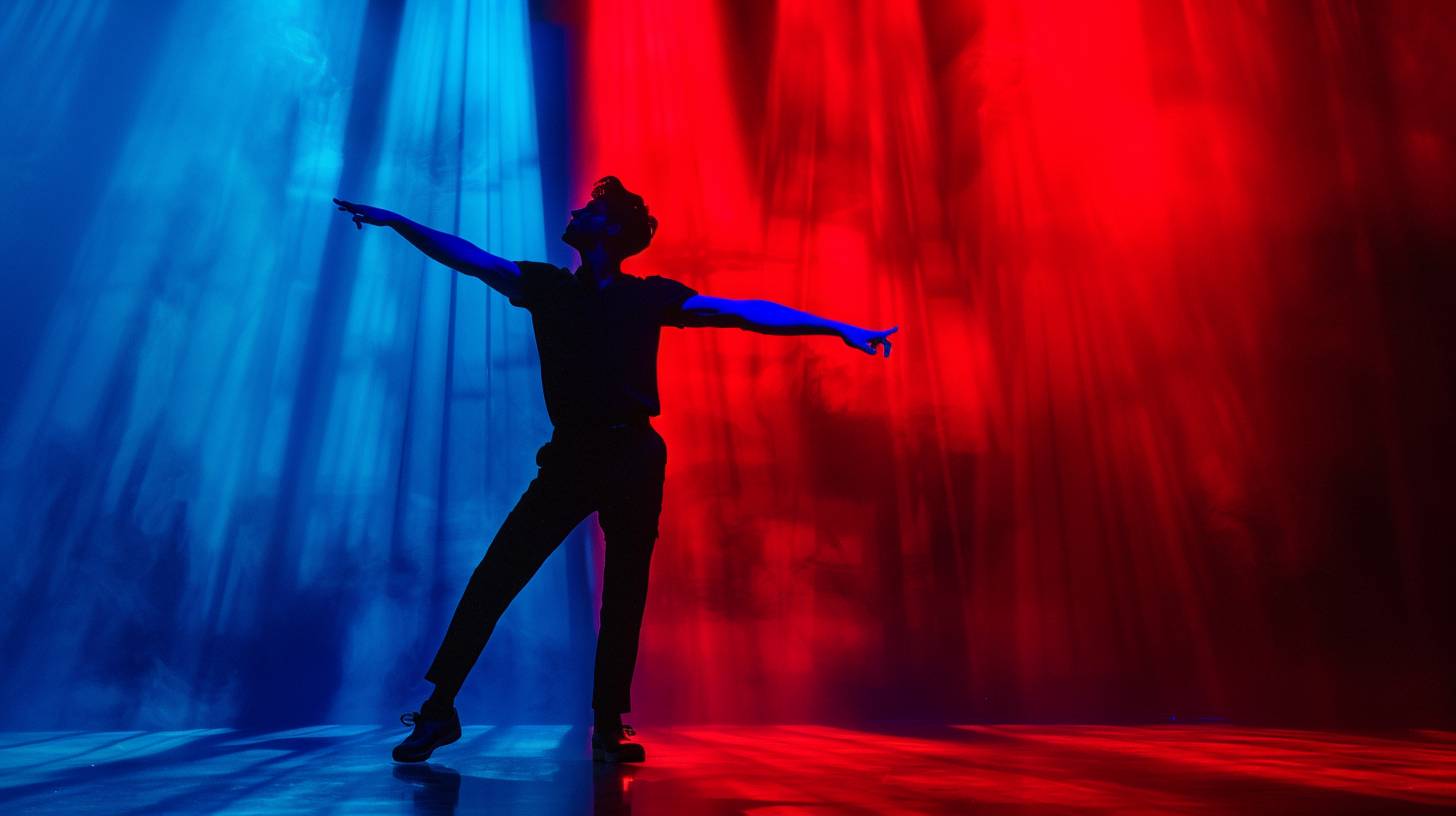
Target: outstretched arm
point(767, 317)
point(457, 253)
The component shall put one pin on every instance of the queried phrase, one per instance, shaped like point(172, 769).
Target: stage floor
point(716, 771)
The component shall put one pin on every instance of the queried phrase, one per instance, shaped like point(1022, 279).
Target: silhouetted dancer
point(597, 331)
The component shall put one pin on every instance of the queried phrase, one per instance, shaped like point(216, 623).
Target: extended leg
point(554, 503)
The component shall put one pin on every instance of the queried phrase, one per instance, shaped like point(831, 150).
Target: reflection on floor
point(727, 770)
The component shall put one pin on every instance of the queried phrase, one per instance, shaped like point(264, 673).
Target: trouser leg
point(628, 517)
point(554, 503)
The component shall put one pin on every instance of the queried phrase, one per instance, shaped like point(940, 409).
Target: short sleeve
point(667, 298)
point(537, 282)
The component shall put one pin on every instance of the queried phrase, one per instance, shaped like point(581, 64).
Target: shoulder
point(665, 297)
point(668, 286)
point(537, 281)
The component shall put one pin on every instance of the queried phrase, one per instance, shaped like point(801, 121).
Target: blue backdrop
point(250, 454)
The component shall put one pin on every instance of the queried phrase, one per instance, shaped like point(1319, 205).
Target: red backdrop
point(1165, 431)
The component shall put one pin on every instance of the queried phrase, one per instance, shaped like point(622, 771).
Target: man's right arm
point(459, 254)
point(455, 252)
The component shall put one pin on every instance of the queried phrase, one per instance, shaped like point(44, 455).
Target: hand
point(365, 214)
point(865, 340)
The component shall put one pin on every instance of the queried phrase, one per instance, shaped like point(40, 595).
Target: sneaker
point(612, 745)
point(431, 731)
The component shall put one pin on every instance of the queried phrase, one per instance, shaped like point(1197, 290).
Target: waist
point(603, 427)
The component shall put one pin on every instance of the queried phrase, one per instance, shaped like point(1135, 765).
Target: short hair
point(627, 209)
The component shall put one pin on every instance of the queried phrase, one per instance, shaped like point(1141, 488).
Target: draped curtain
point(1165, 431)
point(251, 454)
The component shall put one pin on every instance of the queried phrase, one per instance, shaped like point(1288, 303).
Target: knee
point(629, 535)
point(625, 590)
point(623, 608)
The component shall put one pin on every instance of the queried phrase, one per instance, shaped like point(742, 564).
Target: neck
point(598, 266)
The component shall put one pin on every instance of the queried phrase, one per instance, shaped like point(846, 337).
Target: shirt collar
point(612, 282)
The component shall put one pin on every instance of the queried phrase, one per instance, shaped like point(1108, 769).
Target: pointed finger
point(887, 348)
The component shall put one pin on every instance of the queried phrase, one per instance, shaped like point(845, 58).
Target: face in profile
point(588, 226)
point(614, 219)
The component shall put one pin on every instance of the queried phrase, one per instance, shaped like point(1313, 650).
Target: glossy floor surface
point(729, 770)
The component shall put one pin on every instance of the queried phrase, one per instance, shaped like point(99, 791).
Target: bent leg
point(551, 507)
point(628, 517)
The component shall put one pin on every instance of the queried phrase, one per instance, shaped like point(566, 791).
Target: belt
point(635, 422)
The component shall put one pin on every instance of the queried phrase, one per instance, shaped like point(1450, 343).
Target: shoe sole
point(453, 738)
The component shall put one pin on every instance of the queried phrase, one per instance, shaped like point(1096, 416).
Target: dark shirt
point(599, 348)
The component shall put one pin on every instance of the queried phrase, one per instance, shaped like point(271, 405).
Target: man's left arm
point(768, 317)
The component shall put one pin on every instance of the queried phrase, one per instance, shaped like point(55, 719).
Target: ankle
point(607, 721)
point(438, 706)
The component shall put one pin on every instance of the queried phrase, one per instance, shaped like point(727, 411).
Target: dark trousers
point(615, 471)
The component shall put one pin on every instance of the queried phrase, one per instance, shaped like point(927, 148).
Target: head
point(615, 218)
